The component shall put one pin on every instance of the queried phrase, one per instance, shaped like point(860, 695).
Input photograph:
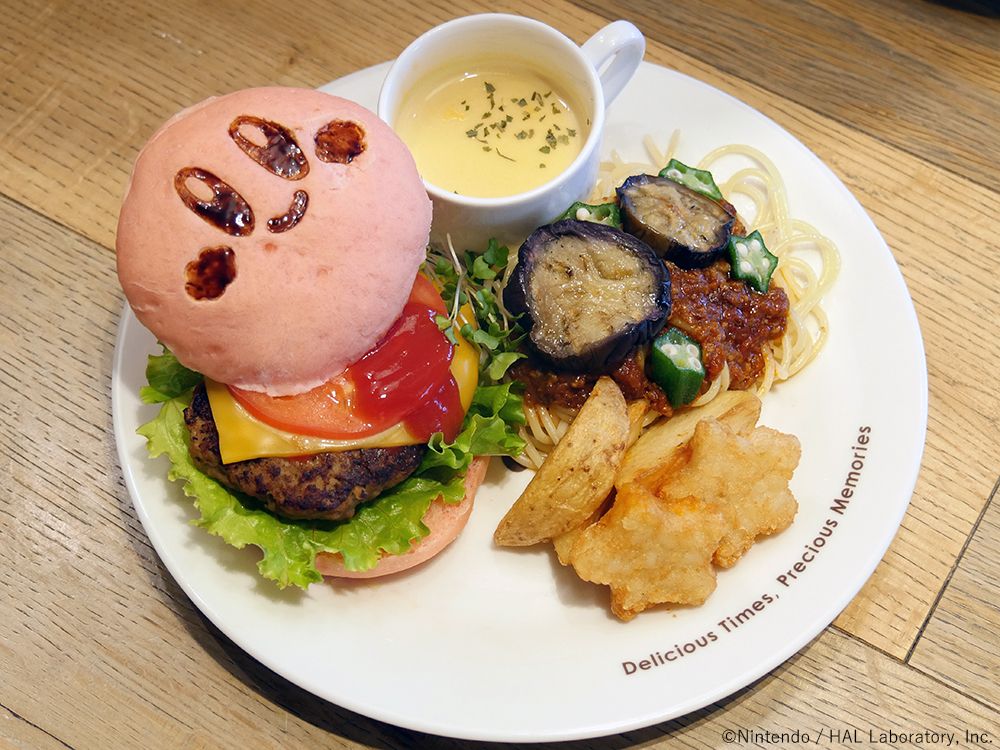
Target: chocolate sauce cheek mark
point(340, 141)
point(211, 272)
point(227, 210)
point(291, 217)
point(281, 155)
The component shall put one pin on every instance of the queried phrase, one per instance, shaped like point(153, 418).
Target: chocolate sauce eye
point(340, 141)
point(291, 217)
point(210, 273)
point(280, 153)
point(227, 210)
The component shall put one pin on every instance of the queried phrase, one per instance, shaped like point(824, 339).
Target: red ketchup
point(407, 377)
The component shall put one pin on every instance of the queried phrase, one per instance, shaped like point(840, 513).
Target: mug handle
point(618, 49)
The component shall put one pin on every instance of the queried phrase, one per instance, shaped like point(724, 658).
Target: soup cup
point(592, 75)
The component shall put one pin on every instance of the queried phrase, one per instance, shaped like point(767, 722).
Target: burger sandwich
point(316, 399)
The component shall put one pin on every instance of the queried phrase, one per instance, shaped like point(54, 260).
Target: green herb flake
point(545, 149)
point(489, 87)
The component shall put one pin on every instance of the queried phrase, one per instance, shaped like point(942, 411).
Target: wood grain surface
point(99, 648)
point(960, 645)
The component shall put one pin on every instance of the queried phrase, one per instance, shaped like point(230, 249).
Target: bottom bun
point(445, 521)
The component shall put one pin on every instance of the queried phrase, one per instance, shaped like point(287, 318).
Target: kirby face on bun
point(315, 400)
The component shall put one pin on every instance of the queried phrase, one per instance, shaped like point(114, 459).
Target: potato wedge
point(654, 452)
point(637, 411)
point(563, 543)
point(577, 475)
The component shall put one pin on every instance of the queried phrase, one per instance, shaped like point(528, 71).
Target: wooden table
point(99, 648)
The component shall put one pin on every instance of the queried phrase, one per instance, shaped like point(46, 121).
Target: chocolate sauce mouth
point(295, 213)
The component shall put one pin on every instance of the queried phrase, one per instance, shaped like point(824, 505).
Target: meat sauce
point(571, 389)
point(732, 323)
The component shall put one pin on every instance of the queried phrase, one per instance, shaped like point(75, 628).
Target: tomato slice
point(407, 373)
point(424, 293)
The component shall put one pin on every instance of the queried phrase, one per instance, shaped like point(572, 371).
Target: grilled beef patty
point(325, 485)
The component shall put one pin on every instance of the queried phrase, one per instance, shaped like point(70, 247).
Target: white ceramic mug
point(593, 74)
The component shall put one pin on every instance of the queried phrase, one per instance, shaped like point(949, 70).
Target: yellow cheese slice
point(243, 436)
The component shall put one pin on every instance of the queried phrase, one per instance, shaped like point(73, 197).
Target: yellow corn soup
point(490, 130)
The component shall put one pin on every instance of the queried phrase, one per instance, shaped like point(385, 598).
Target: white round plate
point(490, 644)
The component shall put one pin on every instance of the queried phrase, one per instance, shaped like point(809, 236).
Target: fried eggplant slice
point(681, 225)
point(588, 294)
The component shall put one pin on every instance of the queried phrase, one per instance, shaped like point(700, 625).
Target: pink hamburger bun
point(297, 303)
point(444, 520)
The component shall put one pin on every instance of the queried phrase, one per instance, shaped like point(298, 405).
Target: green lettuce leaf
point(490, 429)
point(167, 378)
